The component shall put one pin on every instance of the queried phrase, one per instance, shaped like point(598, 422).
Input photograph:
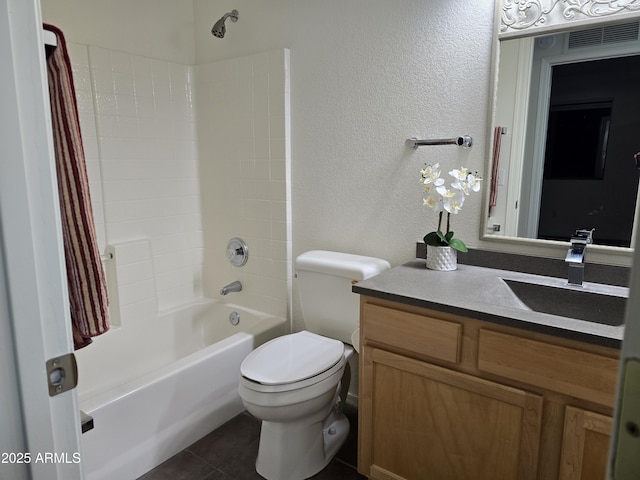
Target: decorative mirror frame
point(525, 18)
point(534, 17)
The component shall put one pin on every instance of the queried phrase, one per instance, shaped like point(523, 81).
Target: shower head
point(219, 29)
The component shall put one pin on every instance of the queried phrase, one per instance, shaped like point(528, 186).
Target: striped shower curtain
point(88, 300)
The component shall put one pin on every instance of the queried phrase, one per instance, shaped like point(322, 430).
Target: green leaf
point(433, 239)
point(443, 239)
point(448, 236)
point(458, 245)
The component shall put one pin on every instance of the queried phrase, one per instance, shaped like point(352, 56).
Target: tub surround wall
point(137, 120)
point(139, 129)
point(243, 125)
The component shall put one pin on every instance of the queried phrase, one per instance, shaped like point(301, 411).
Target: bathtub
point(152, 399)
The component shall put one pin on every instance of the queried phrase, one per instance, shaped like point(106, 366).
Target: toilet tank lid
point(356, 267)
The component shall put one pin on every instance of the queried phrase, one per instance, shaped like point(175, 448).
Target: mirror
point(566, 123)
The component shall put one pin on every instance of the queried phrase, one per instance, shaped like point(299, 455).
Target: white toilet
point(297, 384)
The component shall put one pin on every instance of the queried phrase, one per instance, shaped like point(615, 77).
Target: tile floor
point(229, 453)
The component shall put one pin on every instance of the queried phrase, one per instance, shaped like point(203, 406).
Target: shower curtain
point(88, 300)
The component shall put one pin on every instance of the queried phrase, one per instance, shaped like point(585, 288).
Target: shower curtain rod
point(49, 38)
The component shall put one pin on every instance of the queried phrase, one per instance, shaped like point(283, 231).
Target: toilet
point(297, 384)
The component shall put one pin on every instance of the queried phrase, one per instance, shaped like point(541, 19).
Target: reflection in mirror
point(569, 105)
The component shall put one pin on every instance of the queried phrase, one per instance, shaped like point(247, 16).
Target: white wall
point(365, 75)
point(161, 29)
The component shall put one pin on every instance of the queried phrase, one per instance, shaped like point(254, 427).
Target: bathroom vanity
point(459, 380)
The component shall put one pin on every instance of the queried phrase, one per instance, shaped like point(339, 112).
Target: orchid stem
point(439, 220)
point(448, 218)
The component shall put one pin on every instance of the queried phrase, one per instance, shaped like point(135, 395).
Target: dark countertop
point(480, 293)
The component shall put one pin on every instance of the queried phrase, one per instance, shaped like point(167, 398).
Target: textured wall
point(366, 75)
point(161, 29)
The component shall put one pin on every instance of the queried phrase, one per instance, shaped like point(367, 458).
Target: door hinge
point(62, 374)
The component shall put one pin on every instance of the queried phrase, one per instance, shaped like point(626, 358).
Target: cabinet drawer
point(580, 374)
point(421, 334)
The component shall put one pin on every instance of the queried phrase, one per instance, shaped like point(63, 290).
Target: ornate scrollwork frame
point(526, 17)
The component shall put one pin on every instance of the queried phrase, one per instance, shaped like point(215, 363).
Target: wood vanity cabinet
point(449, 398)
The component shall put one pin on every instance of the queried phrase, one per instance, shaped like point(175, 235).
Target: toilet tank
point(329, 307)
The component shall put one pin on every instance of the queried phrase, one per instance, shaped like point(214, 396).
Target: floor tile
point(229, 453)
point(182, 466)
point(227, 442)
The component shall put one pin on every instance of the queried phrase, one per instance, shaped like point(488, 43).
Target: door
point(430, 422)
point(624, 454)
point(34, 311)
point(585, 444)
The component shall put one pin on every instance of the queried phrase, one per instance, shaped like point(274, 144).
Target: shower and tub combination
point(151, 399)
point(155, 385)
point(143, 419)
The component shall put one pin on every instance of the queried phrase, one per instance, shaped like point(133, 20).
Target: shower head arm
point(233, 15)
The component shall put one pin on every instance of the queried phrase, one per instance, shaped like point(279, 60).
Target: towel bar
point(464, 141)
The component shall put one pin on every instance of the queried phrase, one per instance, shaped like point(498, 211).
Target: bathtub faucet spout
point(232, 287)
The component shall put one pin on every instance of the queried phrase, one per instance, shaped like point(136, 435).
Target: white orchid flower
point(462, 186)
point(431, 174)
point(445, 192)
point(474, 182)
point(450, 200)
point(454, 203)
point(434, 201)
point(460, 174)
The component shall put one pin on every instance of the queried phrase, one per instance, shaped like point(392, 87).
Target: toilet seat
point(292, 361)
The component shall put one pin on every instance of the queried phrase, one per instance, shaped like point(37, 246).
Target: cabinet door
point(427, 422)
point(585, 445)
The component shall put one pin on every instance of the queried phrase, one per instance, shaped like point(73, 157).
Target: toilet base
point(298, 450)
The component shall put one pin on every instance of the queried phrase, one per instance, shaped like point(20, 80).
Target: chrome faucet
point(575, 255)
point(232, 287)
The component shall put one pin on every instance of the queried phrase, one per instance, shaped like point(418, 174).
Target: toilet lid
point(292, 358)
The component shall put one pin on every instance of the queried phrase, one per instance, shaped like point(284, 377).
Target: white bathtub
point(151, 400)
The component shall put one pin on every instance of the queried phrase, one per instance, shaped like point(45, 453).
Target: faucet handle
point(583, 236)
point(579, 241)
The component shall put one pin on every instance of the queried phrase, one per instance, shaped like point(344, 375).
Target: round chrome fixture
point(234, 318)
point(237, 252)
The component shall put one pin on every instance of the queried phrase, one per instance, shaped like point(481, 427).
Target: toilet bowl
point(297, 384)
point(300, 403)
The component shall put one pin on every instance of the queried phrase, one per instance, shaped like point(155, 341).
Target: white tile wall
point(147, 170)
point(243, 129)
point(84, 93)
point(138, 129)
